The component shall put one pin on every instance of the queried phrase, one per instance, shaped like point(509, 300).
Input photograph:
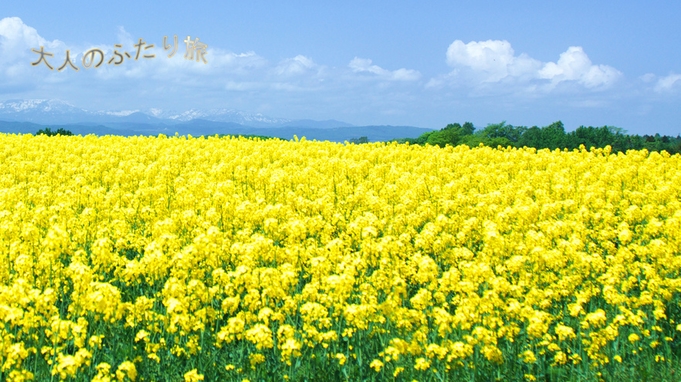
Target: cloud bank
point(668, 83)
point(484, 63)
point(486, 76)
point(359, 65)
point(491, 64)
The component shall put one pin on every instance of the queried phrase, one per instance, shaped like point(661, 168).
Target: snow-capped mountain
point(41, 111)
point(50, 111)
point(45, 105)
point(30, 116)
point(225, 115)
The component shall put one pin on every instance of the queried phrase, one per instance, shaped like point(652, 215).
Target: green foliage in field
point(247, 136)
point(359, 140)
point(47, 131)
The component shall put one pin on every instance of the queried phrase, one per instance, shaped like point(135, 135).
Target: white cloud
point(493, 59)
point(243, 85)
point(662, 85)
point(575, 65)
point(648, 77)
point(668, 83)
point(125, 38)
point(235, 62)
point(16, 43)
point(359, 65)
point(16, 38)
point(487, 62)
point(295, 66)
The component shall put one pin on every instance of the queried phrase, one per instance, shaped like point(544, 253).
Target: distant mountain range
point(29, 116)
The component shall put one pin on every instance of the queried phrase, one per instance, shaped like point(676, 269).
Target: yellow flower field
point(179, 258)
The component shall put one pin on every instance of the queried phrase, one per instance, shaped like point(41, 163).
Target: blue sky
point(413, 63)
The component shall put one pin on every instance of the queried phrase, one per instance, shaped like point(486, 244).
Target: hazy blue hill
point(341, 134)
point(328, 124)
point(198, 127)
point(77, 129)
point(19, 127)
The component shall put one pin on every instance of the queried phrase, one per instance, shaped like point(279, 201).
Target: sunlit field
point(179, 258)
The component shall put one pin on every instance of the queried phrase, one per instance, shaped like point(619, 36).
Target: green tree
point(359, 140)
point(532, 137)
point(553, 136)
point(446, 136)
point(468, 128)
point(510, 133)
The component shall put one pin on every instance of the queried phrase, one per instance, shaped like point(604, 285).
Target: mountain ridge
point(55, 111)
point(29, 116)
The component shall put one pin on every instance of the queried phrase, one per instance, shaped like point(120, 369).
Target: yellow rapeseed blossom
point(341, 358)
point(262, 255)
point(528, 356)
point(127, 370)
point(192, 376)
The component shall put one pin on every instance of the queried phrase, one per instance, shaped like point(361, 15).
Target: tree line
point(551, 137)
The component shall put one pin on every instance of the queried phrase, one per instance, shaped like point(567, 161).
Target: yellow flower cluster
point(224, 258)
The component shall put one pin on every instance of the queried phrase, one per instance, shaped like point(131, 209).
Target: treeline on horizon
point(551, 137)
